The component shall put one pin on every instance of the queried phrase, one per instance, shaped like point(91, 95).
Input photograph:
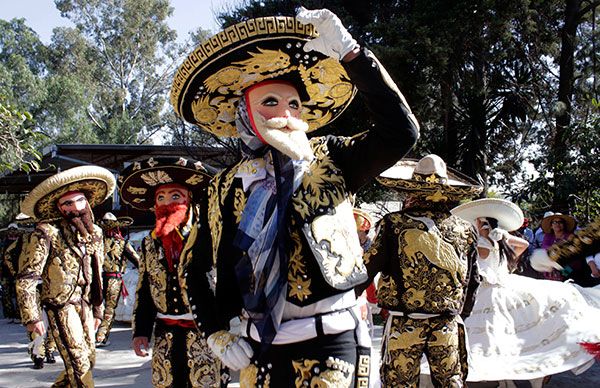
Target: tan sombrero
point(364, 221)
point(431, 178)
point(569, 221)
point(210, 82)
point(110, 221)
point(509, 216)
point(96, 183)
point(138, 182)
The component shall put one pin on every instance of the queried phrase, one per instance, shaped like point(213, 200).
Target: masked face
point(171, 204)
point(274, 109)
point(76, 209)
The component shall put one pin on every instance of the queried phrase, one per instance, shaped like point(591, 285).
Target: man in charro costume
point(284, 240)
point(9, 239)
point(41, 348)
point(428, 263)
point(173, 188)
point(67, 256)
point(116, 250)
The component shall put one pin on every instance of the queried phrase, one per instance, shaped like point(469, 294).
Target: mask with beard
point(82, 220)
point(168, 219)
point(286, 134)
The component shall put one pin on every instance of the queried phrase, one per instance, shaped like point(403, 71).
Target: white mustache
point(290, 122)
point(292, 142)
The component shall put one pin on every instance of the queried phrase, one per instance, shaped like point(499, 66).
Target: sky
point(42, 15)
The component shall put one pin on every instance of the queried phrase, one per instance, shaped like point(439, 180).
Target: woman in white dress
point(521, 328)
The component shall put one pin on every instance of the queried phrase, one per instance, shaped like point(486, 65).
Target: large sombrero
point(429, 177)
point(138, 182)
point(12, 228)
point(110, 221)
point(569, 221)
point(96, 183)
point(363, 220)
point(210, 82)
point(509, 216)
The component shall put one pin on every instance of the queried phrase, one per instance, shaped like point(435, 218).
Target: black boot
point(50, 358)
point(38, 362)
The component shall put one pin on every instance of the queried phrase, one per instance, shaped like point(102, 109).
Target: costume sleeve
point(11, 257)
point(98, 263)
point(393, 133)
point(33, 259)
point(144, 311)
point(208, 282)
point(473, 277)
point(131, 255)
point(376, 257)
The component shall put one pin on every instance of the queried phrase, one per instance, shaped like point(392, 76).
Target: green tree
point(119, 61)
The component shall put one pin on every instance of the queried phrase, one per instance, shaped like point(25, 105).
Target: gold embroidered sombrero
point(110, 221)
point(96, 183)
point(138, 182)
point(430, 178)
point(210, 82)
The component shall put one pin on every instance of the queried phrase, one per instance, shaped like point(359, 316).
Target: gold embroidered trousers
point(73, 329)
point(441, 339)
point(181, 358)
point(112, 293)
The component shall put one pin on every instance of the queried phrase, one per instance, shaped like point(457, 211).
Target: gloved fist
point(498, 234)
point(233, 350)
point(541, 262)
point(333, 40)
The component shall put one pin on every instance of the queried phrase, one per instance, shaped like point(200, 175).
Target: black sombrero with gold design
point(210, 82)
point(430, 178)
point(138, 182)
point(96, 183)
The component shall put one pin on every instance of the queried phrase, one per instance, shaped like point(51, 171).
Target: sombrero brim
point(120, 222)
point(509, 216)
point(364, 221)
point(400, 177)
point(570, 222)
point(96, 183)
point(138, 182)
point(208, 85)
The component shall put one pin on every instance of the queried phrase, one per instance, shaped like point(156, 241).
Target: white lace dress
point(523, 328)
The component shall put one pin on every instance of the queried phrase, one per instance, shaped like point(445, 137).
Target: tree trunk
point(559, 148)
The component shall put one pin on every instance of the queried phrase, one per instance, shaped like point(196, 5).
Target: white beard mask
point(292, 142)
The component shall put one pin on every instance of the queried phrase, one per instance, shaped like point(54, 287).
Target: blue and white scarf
point(262, 233)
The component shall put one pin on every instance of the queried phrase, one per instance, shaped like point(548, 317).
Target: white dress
point(523, 328)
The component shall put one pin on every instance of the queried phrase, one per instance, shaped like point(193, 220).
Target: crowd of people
point(257, 268)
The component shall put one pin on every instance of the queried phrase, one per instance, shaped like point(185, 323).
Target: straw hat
point(431, 178)
point(568, 220)
point(96, 183)
point(208, 85)
point(110, 221)
point(364, 221)
point(509, 216)
point(138, 182)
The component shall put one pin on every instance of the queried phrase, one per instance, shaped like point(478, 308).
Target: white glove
point(333, 40)
point(498, 234)
point(541, 262)
point(233, 350)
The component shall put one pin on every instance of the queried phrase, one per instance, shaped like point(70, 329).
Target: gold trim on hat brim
point(457, 186)
point(120, 222)
point(210, 82)
point(137, 184)
point(96, 183)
